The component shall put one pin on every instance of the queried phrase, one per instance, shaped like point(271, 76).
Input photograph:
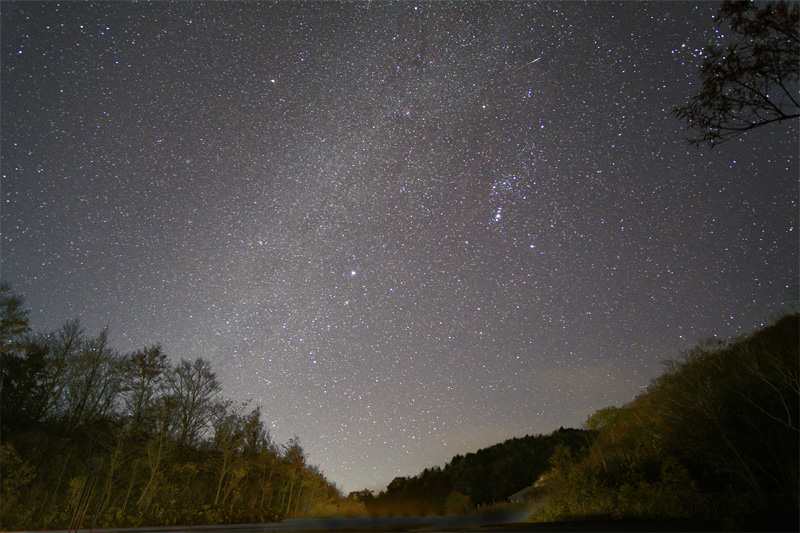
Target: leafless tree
point(752, 82)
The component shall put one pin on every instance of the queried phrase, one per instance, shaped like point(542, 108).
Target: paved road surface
point(475, 523)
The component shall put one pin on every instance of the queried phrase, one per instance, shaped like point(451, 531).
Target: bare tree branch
point(751, 83)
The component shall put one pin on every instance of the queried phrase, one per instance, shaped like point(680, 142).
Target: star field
point(406, 230)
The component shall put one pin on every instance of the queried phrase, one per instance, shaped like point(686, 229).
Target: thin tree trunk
point(264, 487)
point(297, 502)
point(289, 503)
point(222, 473)
point(144, 499)
point(130, 488)
point(232, 482)
point(111, 468)
point(58, 484)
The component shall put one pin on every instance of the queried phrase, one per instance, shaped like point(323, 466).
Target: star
point(347, 197)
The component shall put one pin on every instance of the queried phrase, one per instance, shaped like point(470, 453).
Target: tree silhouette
point(13, 324)
point(752, 82)
point(143, 371)
point(194, 389)
point(13, 318)
point(142, 442)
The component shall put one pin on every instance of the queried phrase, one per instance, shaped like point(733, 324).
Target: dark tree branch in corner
point(751, 83)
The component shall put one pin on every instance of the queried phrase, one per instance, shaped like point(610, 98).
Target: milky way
point(405, 230)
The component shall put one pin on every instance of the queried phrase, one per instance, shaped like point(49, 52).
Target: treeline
point(100, 438)
point(715, 437)
point(487, 476)
point(94, 436)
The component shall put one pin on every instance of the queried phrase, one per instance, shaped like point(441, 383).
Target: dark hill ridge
point(714, 438)
point(487, 476)
point(94, 436)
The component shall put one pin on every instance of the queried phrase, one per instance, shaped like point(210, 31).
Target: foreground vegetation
point(100, 438)
point(480, 479)
point(96, 437)
point(714, 437)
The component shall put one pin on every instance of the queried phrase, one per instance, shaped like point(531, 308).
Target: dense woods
point(94, 437)
point(100, 438)
point(714, 438)
point(486, 477)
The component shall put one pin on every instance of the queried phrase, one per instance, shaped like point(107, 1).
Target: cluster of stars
point(406, 231)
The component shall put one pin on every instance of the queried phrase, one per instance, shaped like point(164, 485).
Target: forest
point(96, 438)
point(714, 439)
point(467, 482)
point(91, 437)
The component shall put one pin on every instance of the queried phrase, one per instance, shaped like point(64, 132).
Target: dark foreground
point(475, 523)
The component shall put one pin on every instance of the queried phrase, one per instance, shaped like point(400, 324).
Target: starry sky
point(406, 230)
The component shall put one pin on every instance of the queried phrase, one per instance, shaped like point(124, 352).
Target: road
point(474, 523)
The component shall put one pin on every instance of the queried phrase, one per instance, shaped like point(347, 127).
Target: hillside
point(97, 438)
point(489, 475)
point(130, 439)
point(714, 438)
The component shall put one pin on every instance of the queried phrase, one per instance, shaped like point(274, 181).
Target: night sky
point(405, 230)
